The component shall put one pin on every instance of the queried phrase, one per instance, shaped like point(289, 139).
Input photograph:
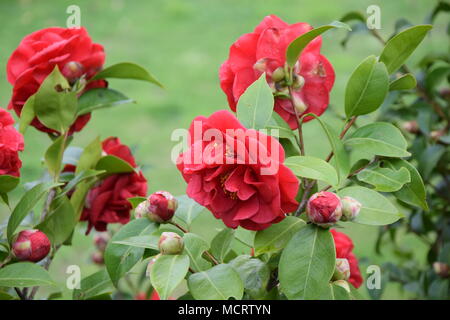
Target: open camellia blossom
point(71, 49)
point(264, 50)
point(229, 177)
point(11, 142)
point(344, 247)
point(108, 201)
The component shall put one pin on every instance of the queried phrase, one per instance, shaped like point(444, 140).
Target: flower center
point(223, 179)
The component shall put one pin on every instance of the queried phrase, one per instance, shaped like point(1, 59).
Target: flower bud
point(350, 208)
point(141, 210)
point(170, 243)
point(31, 245)
point(342, 284)
point(441, 269)
point(411, 126)
point(278, 74)
point(299, 82)
point(324, 209)
point(162, 206)
point(260, 65)
point(299, 105)
point(101, 240)
point(97, 258)
point(342, 269)
point(72, 71)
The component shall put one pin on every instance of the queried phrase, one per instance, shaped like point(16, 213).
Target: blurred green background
point(183, 43)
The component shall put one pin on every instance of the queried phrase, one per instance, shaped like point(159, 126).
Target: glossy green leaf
point(384, 179)
point(312, 168)
point(149, 242)
point(90, 156)
point(188, 210)
point(367, 88)
point(93, 285)
point(414, 192)
point(221, 244)
point(54, 154)
point(119, 259)
point(112, 164)
point(296, 47)
point(278, 123)
point(379, 138)
point(26, 204)
point(194, 247)
point(127, 70)
point(8, 183)
point(167, 273)
point(275, 238)
point(135, 201)
point(255, 106)
point(218, 283)
point(405, 82)
point(376, 210)
point(400, 47)
point(255, 274)
point(27, 114)
point(82, 176)
point(307, 263)
point(24, 274)
point(101, 98)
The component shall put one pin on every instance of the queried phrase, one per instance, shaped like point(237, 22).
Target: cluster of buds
point(31, 245)
point(100, 241)
point(326, 209)
point(170, 243)
point(159, 207)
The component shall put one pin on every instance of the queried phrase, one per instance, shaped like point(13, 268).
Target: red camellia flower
point(71, 49)
point(264, 50)
point(232, 174)
point(108, 201)
point(11, 142)
point(344, 247)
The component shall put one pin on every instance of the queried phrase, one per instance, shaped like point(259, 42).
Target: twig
point(20, 294)
point(299, 124)
point(347, 127)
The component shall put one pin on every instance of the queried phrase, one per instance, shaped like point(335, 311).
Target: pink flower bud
point(31, 245)
point(72, 71)
point(342, 284)
point(441, 269)
point(342, 269)
point(170, 243)
point(141, 210)
point(324, 209)
point(350, 208)
point(97, 258)
point(162, 206)
point(101, 240)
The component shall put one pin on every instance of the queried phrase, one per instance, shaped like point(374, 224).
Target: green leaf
point(367, 88)
point(100, 98)
point(307, 263)
point(187, 210)
point(149, 242)
point(93, 285)
point(25, 205)
point(135, 201)
point(167, 273)
point(384, 179)
point(54, 105)
point(353, 15)
point(8, 183)
point(296, 47)
point(312, 168)
point(400, 47)
point(72, 155)
point(54, 154)
point(119, 259)
point(255, 106)
point(194, 247)
point(90, 156)
point(60, 222)
point(82, 176)
point(127, 70)
point(405, 82)
point(24, 274)
point(6, 296)
point(376, 210)
point(221, 244)
point(112, 164)
point(414, 192)
point(429, 159)
point(275, 238)
point(254, 273)
point(334, 292)
point(27, 114)
point(218, 283)
point(278, 123)
point(379, 138)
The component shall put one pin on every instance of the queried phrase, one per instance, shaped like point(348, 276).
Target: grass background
point(183, 43)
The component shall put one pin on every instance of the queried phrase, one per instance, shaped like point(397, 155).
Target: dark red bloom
point(264, 50)
point(38, 54)
point(108, 201)
point(344, 247)
point(232, 176)
point(11, 142)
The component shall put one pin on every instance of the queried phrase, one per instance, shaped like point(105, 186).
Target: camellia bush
point(247, 166)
